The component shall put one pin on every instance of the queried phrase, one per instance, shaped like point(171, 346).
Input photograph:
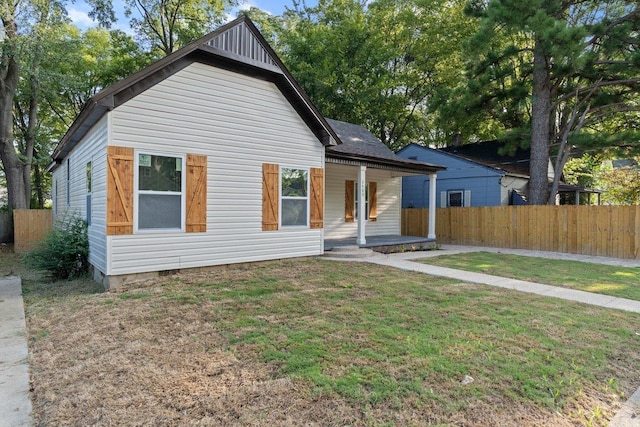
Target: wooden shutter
point(196, 193)
point(317, 198)
point(119, 190)
point(349, 201)
point(270, 196)
point(373, 201)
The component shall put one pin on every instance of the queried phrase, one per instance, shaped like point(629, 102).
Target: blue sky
point(78, 11)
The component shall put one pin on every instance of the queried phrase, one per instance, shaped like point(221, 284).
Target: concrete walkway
point(15, 409)
point(404, 262)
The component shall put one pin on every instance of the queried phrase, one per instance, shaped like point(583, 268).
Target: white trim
point(137, 192)
point(280, 216)
point(432, 206)
point(362, 179)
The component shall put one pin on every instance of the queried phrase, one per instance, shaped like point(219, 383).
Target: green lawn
point(603, 279)
point(323, 342)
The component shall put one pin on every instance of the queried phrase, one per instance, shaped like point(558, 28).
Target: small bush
point(65, 251)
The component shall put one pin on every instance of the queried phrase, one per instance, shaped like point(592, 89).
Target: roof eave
point(409, 167)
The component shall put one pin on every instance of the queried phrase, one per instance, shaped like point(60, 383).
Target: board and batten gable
point(71, 198)
point(239, 123)
point(388, 202)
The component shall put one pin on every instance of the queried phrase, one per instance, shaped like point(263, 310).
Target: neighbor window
point(455, 199)
point(294, 186)
point(160, 189)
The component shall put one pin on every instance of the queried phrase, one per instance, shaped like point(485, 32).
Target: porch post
point(432, 206)
point(362, 179)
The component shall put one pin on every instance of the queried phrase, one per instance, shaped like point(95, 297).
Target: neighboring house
point(476, 175)
point(215, 155)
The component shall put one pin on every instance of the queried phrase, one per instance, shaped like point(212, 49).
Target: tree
point(375, 63)
point(621, 185)
point(562, 69)
point(166, 25)
point(20, 61)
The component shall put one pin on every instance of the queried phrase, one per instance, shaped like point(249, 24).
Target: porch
point(385, 244)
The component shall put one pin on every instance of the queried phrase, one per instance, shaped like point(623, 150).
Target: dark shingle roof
point(488, 154)
point(360, 144)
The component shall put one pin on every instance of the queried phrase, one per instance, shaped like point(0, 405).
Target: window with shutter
point(349, 201)
point(317, 198)
point(196, 193)
point(270, 196)
point(160, 192)
point(294, 197)
point(373, 201)
point(119, 190)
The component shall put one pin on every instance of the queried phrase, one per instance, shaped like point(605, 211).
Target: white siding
point(90, 149)
point(389, 202)
point(238, 122)
point(509, 183)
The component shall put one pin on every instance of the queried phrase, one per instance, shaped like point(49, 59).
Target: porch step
point(349, 252)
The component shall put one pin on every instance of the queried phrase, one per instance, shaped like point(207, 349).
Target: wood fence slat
point(30, 227)
point(612, 231)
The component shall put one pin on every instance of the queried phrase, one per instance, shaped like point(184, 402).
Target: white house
point(215, 155)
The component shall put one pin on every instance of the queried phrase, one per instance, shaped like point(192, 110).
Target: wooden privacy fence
point(30, 227)
point(612, 231)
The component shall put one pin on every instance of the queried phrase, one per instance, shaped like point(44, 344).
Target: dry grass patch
point(315, 342)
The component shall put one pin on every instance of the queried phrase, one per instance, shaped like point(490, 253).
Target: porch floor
point(381, 242)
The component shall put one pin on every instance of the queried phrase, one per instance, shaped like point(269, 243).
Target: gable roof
point(237, 46)
point(488, 153)
point(359, 146)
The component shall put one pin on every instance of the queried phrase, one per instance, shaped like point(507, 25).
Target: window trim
point(89, 198)
point(68, 182)
point(281, 197)
point(137, 192)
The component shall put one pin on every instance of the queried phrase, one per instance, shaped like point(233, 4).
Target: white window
point(294, 200)
point(160, 188)
point(366, 199)
point(455, 198)
point(89, 193)
point(68, 182)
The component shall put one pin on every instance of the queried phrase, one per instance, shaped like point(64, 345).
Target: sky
point(78, 11)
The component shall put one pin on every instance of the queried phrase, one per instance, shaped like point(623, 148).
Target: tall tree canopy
point(166, 25)
point(557, 75)
point(48, 69)
point(376, 63)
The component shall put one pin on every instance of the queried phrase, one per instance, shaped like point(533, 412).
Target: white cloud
point(80, 18)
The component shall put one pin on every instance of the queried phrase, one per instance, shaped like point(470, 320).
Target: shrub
point(65, 251)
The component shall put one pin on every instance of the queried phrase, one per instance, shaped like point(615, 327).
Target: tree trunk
point(9, 75)
point(13, 167)
point(540, 126)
